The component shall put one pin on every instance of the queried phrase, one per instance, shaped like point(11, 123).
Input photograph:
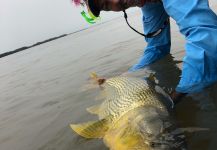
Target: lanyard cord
point(149, 35)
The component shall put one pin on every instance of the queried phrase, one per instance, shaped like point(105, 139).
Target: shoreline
point(27, 47)
point(51, 39)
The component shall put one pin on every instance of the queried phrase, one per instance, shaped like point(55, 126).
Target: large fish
point(133, 116)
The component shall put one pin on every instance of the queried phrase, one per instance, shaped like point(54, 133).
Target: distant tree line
point(27, 47)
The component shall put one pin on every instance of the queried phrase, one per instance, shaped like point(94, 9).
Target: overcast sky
point(25, 22)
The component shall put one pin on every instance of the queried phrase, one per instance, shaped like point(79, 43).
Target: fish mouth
point(168, 142)
point(167, 146)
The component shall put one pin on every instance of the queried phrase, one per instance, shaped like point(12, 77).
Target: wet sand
point(41, 88)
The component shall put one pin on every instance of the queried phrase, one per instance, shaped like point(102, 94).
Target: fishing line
point(149, 35)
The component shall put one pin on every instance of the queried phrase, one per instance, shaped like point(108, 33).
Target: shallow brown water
point(41, 88)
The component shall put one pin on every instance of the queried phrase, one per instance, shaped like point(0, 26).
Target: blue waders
point(198, 23)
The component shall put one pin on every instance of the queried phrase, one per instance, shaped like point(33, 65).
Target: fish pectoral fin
point(159, 90)
point(93, 129)
point(193, 129)
point(94, 109)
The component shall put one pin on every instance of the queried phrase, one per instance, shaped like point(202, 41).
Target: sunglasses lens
point(89, 19)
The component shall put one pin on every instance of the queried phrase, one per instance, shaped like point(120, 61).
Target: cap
point(92, 8)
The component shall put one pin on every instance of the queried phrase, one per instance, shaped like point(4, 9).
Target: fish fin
point(158, 89)
point(93, 82)
point(93, 129)
point(194, 129)
point(98, 80)
point(93, 75)
point(94, 109)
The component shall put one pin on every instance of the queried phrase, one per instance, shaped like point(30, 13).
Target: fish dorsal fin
point(91, 83)
point(92, 129)
point(93, 75)
point(94, 109)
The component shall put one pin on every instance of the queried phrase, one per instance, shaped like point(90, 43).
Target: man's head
point(92, 6)
point(95, 6)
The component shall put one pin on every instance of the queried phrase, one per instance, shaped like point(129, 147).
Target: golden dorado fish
point(133, 116)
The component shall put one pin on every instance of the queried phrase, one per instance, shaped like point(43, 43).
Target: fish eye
point(152, 144)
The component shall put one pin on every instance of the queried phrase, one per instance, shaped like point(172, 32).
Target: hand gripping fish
point(133, 116)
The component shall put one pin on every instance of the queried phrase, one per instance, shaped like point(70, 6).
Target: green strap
point(88, 19)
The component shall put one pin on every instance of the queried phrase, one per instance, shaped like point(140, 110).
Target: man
point(196, 21)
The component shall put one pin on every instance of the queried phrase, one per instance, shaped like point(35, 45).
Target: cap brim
point(94, 10)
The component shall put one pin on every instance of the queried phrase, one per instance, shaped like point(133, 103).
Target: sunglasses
point(88, 16)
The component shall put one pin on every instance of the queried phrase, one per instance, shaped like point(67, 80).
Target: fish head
point(158, 129)
point(144, 129)
point(124, 136)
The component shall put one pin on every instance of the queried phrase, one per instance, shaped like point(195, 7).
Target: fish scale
point(129, 93)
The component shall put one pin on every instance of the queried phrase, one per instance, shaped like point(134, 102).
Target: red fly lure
point(78, 2)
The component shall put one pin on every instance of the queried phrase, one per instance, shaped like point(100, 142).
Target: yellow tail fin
point(94, 129)
point(94, 109)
